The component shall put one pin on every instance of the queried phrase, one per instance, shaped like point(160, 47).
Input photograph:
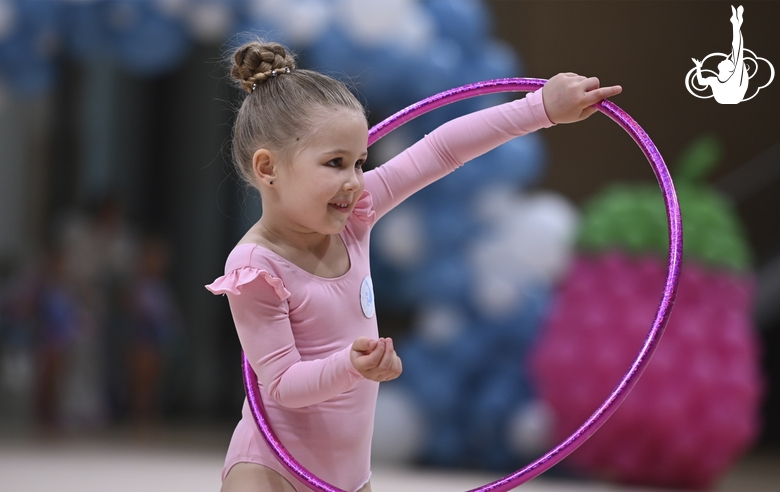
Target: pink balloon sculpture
point(697, 406)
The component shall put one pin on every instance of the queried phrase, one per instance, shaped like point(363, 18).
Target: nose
point(353, 179)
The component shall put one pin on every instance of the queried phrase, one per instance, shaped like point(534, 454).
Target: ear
point(263, 166)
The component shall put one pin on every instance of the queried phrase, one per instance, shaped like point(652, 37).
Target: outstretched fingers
point(569, 97)
point(595, 95)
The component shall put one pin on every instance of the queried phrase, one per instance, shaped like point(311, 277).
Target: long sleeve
point(450, 146)
point(262, 321)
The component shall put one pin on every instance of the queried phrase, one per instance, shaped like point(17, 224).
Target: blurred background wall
point(115, 171)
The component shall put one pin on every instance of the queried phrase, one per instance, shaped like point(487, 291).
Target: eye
point(359, 164)
point(334, 162)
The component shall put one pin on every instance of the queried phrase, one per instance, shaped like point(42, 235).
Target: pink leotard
point(297, 328)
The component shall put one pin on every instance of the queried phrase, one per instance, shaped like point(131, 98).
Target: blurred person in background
point(155, 327)
point(101, 255)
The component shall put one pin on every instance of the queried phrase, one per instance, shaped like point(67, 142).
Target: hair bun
point(254, 62)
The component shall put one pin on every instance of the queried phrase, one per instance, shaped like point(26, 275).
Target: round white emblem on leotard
point(367, 297)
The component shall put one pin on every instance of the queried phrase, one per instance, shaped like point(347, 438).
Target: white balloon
point(306, 21)
point(531, 236)
point(544, 231)
point(173, 8)
point(399, 427)
point(372, 22)
point(445, 54)
point(260, 9)
point(492, 201)
point(529, 242)
point(415, 33)
point(301, 21)
point(209, 21)
point(496, 295)
point(400, 237)
point(440, 324)
point(530, 428)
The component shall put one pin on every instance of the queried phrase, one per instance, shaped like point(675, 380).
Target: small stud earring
point(271, 182)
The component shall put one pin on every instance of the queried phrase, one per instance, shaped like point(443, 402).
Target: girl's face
point(319, 187)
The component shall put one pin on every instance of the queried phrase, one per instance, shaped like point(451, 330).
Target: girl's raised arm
point(565, 98)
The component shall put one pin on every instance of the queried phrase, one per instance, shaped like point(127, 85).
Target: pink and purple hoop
point(645, 353)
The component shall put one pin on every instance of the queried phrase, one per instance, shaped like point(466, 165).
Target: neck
point(285, 237)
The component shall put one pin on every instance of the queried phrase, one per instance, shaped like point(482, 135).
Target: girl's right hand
point(376, 359)
point(569, 97)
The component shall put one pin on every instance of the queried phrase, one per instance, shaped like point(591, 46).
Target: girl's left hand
point(376, 359)
point(569, 97)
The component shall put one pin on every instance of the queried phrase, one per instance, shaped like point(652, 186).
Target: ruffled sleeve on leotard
point(235, 279)
point(364, 209)
point(260, 308)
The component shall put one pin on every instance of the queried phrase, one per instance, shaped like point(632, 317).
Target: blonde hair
point(283, 102)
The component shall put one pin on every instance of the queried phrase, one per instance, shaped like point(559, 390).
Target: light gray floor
point(151, 465)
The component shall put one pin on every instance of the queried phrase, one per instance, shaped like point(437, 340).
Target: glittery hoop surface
point(639, 364)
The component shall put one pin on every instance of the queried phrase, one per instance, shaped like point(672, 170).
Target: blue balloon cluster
point(137, 35)
point(469, 387)
point(150, 37)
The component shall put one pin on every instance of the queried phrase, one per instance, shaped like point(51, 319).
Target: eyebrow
point(342, 151)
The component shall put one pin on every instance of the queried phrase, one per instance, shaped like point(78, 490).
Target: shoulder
point(248, 264)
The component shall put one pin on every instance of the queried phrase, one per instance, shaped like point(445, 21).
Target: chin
point(333, 228)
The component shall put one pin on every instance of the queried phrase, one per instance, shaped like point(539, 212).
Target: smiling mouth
point(341, 207)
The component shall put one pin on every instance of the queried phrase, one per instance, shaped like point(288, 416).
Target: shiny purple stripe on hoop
point(261, 420)
point(630, 379)
point(447, 97)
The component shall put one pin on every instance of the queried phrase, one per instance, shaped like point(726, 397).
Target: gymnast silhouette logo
point(735, 70)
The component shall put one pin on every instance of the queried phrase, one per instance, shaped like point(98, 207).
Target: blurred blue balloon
point(441, 66)
point(26, 69)
point(335, 53)
point(150, 43)
point(448, 223)
point(385, 79)
point(28, 49)
point(390, 297)
point(519, 161)
point(470, 351)
point(498, 60)
point(38, 15)
point(467, 21)
point(446, 278)
point(446, 443)
point(245, 29)
point(514, 332)
point(86, 31)
point(432, 381)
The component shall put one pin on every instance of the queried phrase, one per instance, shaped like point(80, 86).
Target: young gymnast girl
point(298, 282)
